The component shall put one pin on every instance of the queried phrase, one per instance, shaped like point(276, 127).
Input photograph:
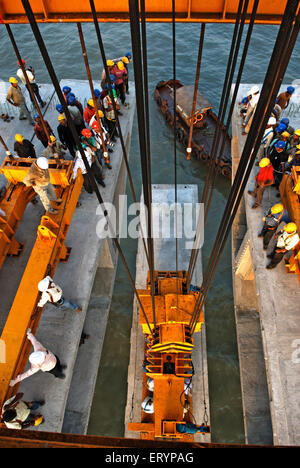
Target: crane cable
point(282, 51)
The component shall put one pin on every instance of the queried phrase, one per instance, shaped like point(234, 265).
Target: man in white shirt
point(287, 240)
point(53, 293)
point(78, 163)
point(31, 77)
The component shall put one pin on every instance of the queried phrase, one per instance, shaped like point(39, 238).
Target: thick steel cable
point(51, 71)
point(138, 74)
point(277, 67)
point(124, 152)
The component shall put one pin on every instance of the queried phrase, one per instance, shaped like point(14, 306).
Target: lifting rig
point(48, 250)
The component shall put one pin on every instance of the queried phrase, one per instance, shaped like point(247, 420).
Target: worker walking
point(263, 179)
point(17, 414)
point(24, 148)
point(287, 240)
point(273, 217)
point(16, 98)
point(39, 178)
point(41, 359)
point(53, 293)
point(31, 78)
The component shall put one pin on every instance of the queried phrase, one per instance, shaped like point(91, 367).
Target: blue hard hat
point(245, 100)
point(97, 92)
point(71, 99)
point(66, 89)
point(280, 144)
point(290, 89)
point(128, 55)
point(281, 127)
point(284, 121)
point(59, 108)
point(36, 116)
point(112, 78)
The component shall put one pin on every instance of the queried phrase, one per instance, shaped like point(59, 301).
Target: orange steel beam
point(215, 11)
point(48, 250)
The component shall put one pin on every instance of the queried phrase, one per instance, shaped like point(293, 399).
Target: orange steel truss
point(48, 250)
point(169, 347)
point(214, 11)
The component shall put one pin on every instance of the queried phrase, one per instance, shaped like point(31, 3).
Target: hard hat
point(61, 117)
point(285, 121)
point(95, 125)
point(125, 59)
point(37, 357)
point(59, 108)
point(128, 55)
point(100, 113)
point(254, 89)
point(42, 162)
point(121, 65)
point(150, 384)
point(112, 77)
point(109, 63)
point(13, 80)
point(298, 147)
point(91, 103)
point(36, 116)
point(279, 144)
point(52, 138)
point(297, 132)
point(280, 128)
point(71, 99)
point(44, 284)
point(277, 208)
point(264, 162)
point(19, 137)
point(285, 134)
point(147, 404)
point(66, 89)
point(38, 421)
point(97, 93)
point(86, 133)
point(290, 89)
point(272, 121)
point(290, 227)
point(23, 61)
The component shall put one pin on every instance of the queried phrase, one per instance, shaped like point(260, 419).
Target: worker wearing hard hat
point(120, 73)
point(272, 218)
point(287, 240)
point(53, 294)
point(294, 142)
point(38, 178)
point(31, 78)
point(264, 178)
point(40, 132)
point(24, 148)
point(110, 64)
point(253, 97)
point(76, 113)
point(41, 359)
point(54, 149)
point(267, 138)
point(89, 111)
point(65, 134)
point(293, 160)
point(278, 157)
point(17, 414)
point(283, 99)
point(16, 98)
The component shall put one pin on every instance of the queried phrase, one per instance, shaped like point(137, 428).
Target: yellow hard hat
point(277, 208)
point(297, 132)
point(91, 103)
point(120, 65)
point(52, 138)
point(125, 60)
point(290, 227)
point(298, 146)
point(19, 137)
point(264, 162)
point(13, 80)
point(61, 117)
point(285, 134)
point(109, 63)
point(100, 113)
point(38, 421)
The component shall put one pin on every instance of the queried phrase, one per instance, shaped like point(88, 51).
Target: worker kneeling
point(53, 293)
point(38, 178)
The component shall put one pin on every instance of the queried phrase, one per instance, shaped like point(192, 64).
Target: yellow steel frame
point(214, 11)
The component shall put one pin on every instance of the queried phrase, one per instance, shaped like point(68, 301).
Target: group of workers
point(279, 151)
point(17, 413)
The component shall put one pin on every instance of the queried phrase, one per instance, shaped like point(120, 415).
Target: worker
point(17, 414)
point(97, 136)
point(89, 140)
point(76, 102)
point(55, 149)
point(294, 142)
point(251, 107)
point(76, 114)
point(264, 178)
point(267, 138)
point(53, 293)
point(287, 239)
point(89, 111)
point(41, 359)
point(59, 108)
point(38, 178)
point(31, 78)
point(24, 148)
point(16, 98)
point(40, 132)
point(109, 114)
point(292, 160)
point(283, 99)
point(286, 122)
point(79, 163)
point(272, 218)
point(190, 428)
point(126, 63)
point(65, 135)
point(278, 156)
point(110, 64)
point(120, 73)
point(66, 90)
point(148, 405)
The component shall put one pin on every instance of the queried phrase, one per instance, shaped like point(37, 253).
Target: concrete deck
point(164, 257)
point(267, 315)
point(68, 401)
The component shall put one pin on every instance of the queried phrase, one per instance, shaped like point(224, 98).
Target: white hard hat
point(254, 89)
point(150, 384)
point(43, 284)
point(37, 357)
point(272, 121)
point(42, 162)
point(147, 404)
